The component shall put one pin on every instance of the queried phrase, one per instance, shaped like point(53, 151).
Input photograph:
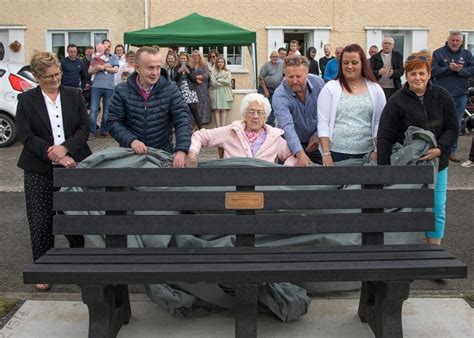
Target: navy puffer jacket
point(152, 121)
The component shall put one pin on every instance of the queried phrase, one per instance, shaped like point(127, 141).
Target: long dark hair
point(366, 72)
point(309, 51)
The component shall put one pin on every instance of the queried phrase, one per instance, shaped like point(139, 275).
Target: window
point(58, 40)
point(468, 41)
point(234, 55)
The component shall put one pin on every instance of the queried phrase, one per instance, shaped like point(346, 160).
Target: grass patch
point(470, 299)
point(6, 305)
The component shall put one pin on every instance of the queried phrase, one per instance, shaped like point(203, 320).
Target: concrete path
point(422, 317)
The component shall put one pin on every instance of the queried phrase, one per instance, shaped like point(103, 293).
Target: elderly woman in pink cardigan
point(250, 137)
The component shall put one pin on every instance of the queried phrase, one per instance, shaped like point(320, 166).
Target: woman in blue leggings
point(421, 104)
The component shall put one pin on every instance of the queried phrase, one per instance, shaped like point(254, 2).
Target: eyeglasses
point(422, 58)
point(252, 112)
point(293, 60)
point(52, 76)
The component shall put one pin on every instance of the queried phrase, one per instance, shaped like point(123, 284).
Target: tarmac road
point(15, 251)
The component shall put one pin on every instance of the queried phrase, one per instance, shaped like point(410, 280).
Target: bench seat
point(244, 265)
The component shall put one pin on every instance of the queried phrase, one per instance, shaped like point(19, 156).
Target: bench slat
point(243, 176)
point(242, 224)
point(248, 250)
point(231, 259)
point(215, 200)
point(245, 272)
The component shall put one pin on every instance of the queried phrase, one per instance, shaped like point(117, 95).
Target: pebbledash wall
point(45, 24)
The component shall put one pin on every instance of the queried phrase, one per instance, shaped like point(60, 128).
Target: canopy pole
point(253, 54)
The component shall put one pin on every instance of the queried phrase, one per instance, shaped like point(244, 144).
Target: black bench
point(242, 209)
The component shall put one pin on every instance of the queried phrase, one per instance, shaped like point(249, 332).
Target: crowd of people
point(357, 108)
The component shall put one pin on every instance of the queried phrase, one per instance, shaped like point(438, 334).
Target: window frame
point(465, 43)
point(66, 31)
point(234, 68)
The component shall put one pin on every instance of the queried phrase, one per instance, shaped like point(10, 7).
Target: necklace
point(355, 85)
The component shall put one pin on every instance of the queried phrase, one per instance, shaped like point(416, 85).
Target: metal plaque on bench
point(244, 200)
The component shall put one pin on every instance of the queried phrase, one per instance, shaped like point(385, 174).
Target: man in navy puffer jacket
point(144, 110)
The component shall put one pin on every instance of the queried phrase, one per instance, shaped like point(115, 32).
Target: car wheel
point(7, 130)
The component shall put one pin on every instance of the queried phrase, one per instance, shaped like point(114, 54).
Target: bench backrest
point(243, 201)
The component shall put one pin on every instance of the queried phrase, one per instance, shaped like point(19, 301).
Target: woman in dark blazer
point(53, 126)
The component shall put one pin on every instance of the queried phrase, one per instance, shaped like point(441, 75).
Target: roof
point(192, 30)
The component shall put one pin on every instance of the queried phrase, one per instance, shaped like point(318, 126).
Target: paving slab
point(422, 317)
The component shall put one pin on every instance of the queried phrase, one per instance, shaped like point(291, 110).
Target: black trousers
point(194, 112)
point(39, 210)
point(389, 92)
point(314, 156)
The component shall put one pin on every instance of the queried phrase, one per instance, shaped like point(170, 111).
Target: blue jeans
point(459, 105)
point(96, 95)
point(439, 209)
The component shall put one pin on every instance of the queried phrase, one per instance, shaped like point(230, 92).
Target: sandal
point(42, 287)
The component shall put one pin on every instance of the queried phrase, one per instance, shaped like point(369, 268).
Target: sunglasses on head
point(293, 60)
point(422, 58)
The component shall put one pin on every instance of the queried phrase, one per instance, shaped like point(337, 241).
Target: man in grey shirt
point(296, 103)
point(269, 78)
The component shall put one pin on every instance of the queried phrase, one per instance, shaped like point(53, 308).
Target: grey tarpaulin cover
point(287, 301)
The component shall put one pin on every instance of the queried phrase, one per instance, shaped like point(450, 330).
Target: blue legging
point(439, 209)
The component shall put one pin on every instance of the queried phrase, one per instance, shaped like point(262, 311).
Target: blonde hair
point(202, 61)
point(40, 61)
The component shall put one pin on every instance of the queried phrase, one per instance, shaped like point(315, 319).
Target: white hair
point(455, 33)
point(255, 97)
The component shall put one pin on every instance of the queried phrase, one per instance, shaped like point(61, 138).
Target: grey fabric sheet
point(287, 301)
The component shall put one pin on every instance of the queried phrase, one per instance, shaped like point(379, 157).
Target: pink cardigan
point(232, 139)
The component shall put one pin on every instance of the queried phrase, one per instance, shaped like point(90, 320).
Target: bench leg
point(246, 296)
point(366, 300)
point(381, 306)
point(109, 308)
point(122, 301)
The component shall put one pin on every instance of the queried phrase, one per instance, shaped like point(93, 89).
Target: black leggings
point(39, 210)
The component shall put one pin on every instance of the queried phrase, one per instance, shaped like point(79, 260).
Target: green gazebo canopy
point(196, 30)
point(192, 30)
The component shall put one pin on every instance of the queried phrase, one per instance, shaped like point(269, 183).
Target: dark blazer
point(376, 63)
point(34, 128)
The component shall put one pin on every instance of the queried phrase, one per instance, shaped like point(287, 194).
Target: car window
point(2, 71)
point(26, 73)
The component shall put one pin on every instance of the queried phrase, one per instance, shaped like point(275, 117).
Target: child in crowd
point(294, 48)
point(99, 58)
point(124, 76)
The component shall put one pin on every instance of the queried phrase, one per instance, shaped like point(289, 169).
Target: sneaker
point(91, 137)
point(467, 164)
point(454, 158)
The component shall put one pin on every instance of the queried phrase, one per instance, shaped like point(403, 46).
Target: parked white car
point(15, 78)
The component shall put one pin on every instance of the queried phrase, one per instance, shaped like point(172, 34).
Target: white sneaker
point(467, 164)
